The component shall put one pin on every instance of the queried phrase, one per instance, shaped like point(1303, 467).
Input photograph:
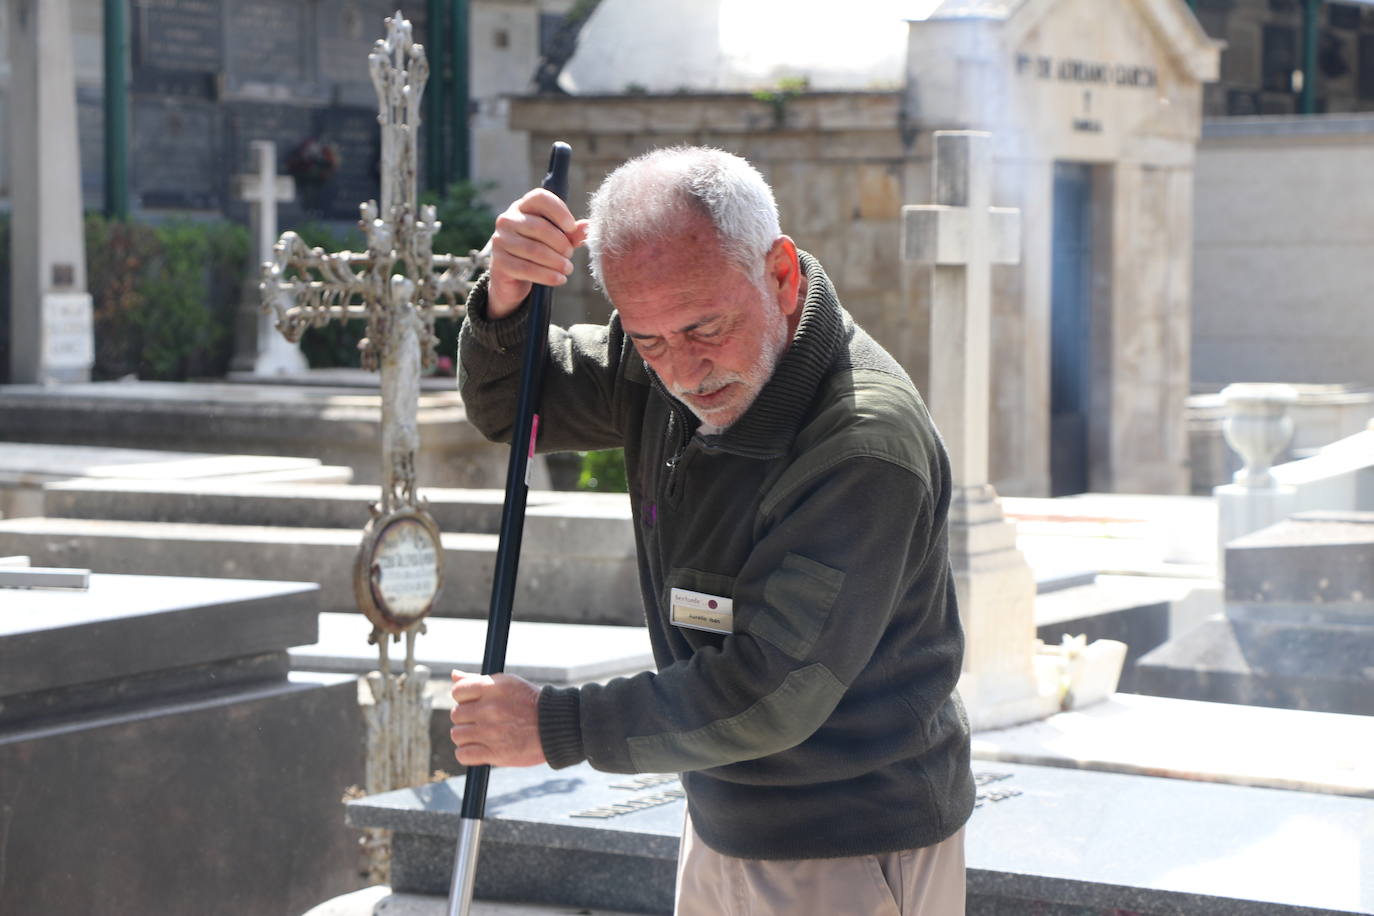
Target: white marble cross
point(264, 351)
point(962, 236)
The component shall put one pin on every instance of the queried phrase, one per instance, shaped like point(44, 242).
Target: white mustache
point(710, 386)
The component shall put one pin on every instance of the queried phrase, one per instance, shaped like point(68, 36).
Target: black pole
point(523, 438)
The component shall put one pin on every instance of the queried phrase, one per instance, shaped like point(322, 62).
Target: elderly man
point(790, 497)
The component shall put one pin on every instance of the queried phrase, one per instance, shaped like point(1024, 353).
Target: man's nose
point(688, 366)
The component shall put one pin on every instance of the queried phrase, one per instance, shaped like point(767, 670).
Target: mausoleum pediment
point(1071, 79)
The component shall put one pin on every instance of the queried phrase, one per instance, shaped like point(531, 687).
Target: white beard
point(752, 379)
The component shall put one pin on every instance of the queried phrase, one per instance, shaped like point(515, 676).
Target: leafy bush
point(604, 471)
point(164, 296)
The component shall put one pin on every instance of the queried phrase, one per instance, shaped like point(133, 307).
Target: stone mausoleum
point(1096, 107)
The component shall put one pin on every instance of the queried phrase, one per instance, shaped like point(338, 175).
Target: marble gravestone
point(155, 750)
point(1298, 628)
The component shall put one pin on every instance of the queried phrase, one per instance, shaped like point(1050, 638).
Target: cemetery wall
point(839, 168)
point(1264, 47)
point(209, 76)
point(1282, 268)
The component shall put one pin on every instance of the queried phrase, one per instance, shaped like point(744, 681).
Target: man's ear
point(783, 272)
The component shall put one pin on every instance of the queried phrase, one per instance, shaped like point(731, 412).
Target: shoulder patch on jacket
point(798, 597)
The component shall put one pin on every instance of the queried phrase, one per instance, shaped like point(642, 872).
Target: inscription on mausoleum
point(1095, 72)
point(1087, 76)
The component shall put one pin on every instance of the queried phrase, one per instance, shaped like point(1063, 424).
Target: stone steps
point(337, 425)
point(564, 575)
point(27, 468)
point(586, 518)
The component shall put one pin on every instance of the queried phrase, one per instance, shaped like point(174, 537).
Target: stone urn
point(1258, 427)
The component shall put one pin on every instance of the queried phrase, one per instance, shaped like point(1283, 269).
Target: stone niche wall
point(207, 77)
point(839, 163)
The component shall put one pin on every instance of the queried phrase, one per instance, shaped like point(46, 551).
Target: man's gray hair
point(653, 195)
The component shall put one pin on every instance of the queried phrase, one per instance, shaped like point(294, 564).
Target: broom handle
point(523, 437)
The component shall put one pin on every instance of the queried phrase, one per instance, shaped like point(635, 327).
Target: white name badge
point(700, 611)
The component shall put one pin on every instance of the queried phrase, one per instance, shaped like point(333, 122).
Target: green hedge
point(166, 295)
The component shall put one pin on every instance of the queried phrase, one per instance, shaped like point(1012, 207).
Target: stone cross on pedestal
point(400, 287)
point(259, 349)
point(961, 236)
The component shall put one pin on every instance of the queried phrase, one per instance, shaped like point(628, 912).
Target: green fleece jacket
point(825, 723)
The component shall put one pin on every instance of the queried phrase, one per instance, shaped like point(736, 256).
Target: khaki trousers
point(915, 882)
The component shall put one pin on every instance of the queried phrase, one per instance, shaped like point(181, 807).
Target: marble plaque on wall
point(266, 44)
point(346, 35)
point(178, 35)
point(176, 154)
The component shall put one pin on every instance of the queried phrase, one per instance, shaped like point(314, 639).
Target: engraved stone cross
point(961, 236)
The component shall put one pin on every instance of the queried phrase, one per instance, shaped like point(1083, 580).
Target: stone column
point(1257, 427)
point(51, 338)
point(962, 236)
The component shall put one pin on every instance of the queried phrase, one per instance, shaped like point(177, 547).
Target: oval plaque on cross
point(399, 570)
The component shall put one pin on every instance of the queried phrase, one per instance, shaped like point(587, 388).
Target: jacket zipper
point(677, 449)
point(677, 438)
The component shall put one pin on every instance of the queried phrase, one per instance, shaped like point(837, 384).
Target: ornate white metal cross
point(400, 286)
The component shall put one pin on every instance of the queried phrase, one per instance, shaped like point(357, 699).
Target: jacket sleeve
point(582, 406)
point(811, 604)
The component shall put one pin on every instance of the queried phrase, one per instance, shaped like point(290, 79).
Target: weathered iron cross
point(400, 286)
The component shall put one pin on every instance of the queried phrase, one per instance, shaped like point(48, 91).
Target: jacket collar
point(771, 423)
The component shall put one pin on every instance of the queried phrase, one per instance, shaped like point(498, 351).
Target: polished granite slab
point(1042, 840)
